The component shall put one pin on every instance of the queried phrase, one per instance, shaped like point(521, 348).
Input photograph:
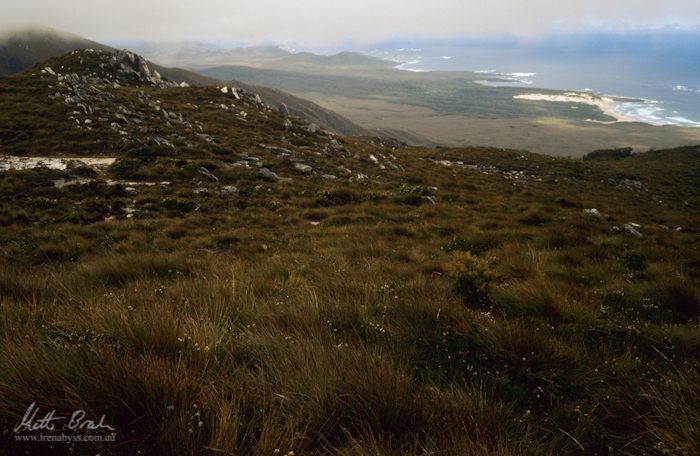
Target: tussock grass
point(118, 271)
point(675, 413)
point(348, 316)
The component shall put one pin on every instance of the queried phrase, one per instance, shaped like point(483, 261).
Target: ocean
point(660, 72)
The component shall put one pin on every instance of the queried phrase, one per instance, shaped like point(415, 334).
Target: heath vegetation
point(389, 301)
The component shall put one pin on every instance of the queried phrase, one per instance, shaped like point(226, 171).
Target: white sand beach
point(605, 104)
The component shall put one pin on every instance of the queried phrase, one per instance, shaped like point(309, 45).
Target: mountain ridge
point(197, 55)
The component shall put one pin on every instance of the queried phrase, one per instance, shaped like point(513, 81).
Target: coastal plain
point(454, 108)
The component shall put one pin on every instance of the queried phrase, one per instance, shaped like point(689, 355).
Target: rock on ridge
point(134, 65)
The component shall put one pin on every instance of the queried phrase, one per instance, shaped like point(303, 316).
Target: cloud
point(312, 22)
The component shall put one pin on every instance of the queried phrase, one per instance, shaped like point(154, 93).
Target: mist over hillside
point(22, 47)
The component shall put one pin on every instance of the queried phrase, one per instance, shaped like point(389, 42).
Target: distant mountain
point(195, 55)
point(195, 52)
point(21, 49)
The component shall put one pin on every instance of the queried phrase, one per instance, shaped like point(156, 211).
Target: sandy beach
point(605, 104)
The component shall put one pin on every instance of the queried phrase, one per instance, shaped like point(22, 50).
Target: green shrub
point(635, 261)
point(477, 245)
point(609, 154)
point(471, 277)
point(457, 245)
point(178, 205)
point(125, 168)
point(414, 190)
point(335, 197)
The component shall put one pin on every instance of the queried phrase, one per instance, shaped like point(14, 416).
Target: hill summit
point(105, 68)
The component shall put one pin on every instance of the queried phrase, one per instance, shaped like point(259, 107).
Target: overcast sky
point(331, 22)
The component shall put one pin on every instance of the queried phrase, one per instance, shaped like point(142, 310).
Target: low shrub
point(609, 154)
point(471, 276)
point(335, 197)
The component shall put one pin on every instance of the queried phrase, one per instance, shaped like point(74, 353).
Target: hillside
point(23, 48)
point(218, 277)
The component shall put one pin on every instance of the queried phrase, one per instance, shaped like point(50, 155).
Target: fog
point(337, 22)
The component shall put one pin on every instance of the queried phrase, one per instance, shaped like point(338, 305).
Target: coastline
point(606, 104)
point(621, 109)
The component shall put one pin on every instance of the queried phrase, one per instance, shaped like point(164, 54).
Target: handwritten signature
point(78, 420)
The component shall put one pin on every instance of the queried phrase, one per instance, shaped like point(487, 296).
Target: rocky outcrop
point(133, 66)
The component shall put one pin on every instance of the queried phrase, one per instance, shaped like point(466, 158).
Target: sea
point(658, 74)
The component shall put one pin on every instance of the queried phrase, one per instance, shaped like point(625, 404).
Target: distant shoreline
point(641, 111)
point(606, 104)
point(622, 109)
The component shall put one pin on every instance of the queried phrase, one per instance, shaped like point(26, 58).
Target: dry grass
point(320, 317)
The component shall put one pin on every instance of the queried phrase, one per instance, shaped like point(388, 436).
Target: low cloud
point(313, 22)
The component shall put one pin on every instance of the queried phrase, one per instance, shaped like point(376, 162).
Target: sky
point(333, 22)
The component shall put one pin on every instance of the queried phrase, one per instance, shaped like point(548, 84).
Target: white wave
point(685, 88)
point(652, 112)
point(405, 66)
point(501, 83)
point(446, 57)
point(508, 78)
point(623, 110)
point(413, 70)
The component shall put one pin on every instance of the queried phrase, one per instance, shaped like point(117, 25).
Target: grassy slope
point(308, 110)
point(346, 316)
